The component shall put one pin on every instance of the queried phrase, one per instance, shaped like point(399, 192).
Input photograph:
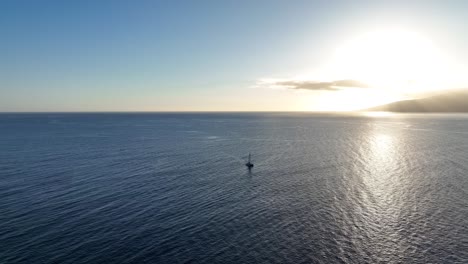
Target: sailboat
point(249, 164)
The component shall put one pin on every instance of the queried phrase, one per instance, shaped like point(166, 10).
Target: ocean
point(174, 188)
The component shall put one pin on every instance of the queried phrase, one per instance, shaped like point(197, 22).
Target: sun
point(394, 59)
point(395, 63)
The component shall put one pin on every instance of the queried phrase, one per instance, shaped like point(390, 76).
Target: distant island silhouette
point(455, 101)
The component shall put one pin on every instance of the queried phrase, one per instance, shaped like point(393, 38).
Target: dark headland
point(448, 102)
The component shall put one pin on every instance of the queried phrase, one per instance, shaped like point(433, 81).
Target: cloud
point(322, 86)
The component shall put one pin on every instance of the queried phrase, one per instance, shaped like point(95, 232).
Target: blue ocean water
point(173, 188)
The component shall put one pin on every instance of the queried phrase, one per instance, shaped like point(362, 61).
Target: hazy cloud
point(327, 86)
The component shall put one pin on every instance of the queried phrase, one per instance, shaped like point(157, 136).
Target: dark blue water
point(173, 188)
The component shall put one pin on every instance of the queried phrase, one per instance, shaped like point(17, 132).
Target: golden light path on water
point(384, 186)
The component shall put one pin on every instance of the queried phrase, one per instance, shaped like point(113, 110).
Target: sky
point(245, 55)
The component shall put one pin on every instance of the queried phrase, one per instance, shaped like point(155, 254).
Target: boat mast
point(249, 157)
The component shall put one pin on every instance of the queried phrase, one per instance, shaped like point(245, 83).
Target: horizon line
point(172, 111)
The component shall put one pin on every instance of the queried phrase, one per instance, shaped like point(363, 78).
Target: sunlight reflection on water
point(385, 188)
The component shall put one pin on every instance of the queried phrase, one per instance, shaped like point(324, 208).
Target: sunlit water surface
point(173, 188)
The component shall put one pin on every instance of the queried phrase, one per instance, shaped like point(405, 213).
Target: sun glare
point(396, 64)
point(354, 99)
point(378, 114)
point(398, 60)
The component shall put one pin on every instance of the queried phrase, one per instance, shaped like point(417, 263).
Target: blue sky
point(192, 55)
